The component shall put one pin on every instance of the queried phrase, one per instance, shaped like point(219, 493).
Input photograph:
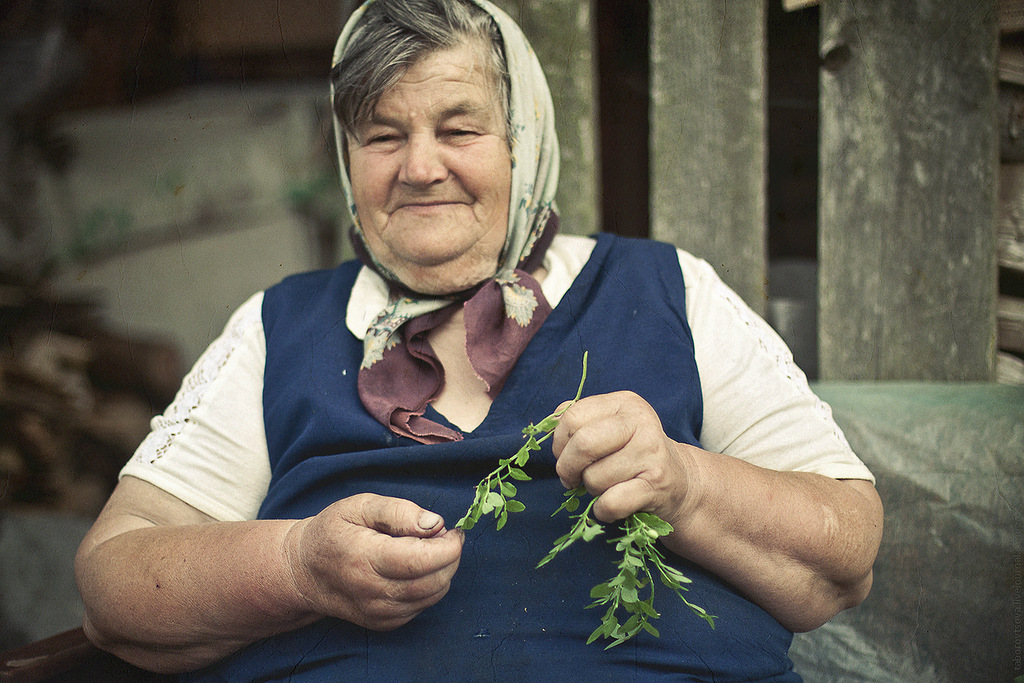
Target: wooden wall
point(562, 33)
point(708, 140)
point(908, 183)
point(908, 166)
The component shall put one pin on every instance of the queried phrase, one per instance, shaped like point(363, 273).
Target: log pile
point(75, 399)
point(1010, 234)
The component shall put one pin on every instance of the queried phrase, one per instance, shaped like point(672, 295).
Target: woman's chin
point(443, 278)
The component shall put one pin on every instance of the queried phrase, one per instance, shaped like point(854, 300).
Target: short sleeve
point(209, 447)
point(758, 405)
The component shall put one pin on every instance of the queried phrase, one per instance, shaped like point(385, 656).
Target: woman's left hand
point(614, 444)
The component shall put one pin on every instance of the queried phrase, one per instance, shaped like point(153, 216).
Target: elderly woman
point(287, 516)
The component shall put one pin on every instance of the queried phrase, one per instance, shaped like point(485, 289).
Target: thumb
point(399, 517)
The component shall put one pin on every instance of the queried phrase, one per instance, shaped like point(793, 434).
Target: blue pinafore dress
point(502, 619)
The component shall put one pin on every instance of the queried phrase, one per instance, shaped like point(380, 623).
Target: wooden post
point(708, 136)
point(562, 34)
point(908, 182)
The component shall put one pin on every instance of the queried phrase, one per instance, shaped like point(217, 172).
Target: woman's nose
point(424, 162)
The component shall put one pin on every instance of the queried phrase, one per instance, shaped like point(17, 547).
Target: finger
point(396, 516)
point(387, 614)
point(622, 463)
point(622, 500)
point(589, 445)
point(407, 558)
point(589, 409)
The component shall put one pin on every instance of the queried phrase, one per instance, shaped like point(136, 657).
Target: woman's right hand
point(372, 560)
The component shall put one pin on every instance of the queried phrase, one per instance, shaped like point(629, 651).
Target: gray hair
point(393, 35)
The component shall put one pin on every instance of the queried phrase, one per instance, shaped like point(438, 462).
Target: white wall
point(176, 211)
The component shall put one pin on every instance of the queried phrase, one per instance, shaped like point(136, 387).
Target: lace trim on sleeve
point(774, 349)
point(168, 426)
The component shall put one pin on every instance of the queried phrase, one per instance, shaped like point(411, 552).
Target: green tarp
point(946, 600)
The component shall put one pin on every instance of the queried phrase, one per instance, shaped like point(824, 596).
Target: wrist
point(297, 580)
point(692, 497)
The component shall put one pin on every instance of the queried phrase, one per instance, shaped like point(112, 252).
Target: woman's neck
point(463, 399)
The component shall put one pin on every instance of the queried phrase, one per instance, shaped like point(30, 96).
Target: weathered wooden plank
point(1010, 323)
point(563, 35)
point(908, 180)
point(1011, 15)
point(1009, 369)
point(1010, 237)
point(708, 136)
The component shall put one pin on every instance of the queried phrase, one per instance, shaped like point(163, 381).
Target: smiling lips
point(427, 205)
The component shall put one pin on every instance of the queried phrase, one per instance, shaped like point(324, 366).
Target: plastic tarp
point(945, 605)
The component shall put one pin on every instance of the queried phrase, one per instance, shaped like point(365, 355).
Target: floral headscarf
point(400, 374)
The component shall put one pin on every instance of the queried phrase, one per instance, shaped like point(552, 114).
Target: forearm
point(174, 598)
point(800, 545)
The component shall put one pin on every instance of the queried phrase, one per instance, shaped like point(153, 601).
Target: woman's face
point(431, 174)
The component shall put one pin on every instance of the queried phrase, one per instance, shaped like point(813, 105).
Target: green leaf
point(628, 595)
point(495, 500)
point(508, 490)
point(659, 525)
point(631, 560)
point(572, 501)
point(671, 576)
point(547, 558)
point(601, 590)
point(518, 474)
point(502, 518)
point(530, 429)
point(548, 424)
point(514, 506)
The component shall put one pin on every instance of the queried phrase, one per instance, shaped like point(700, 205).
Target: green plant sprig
point(495, 493)
point(639, 554)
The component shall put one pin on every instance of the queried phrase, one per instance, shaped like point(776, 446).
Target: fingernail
point(429, 520)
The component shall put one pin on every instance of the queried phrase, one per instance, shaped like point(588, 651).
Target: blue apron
point(502, 620)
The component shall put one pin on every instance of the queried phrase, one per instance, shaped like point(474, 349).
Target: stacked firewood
point(75, 399)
